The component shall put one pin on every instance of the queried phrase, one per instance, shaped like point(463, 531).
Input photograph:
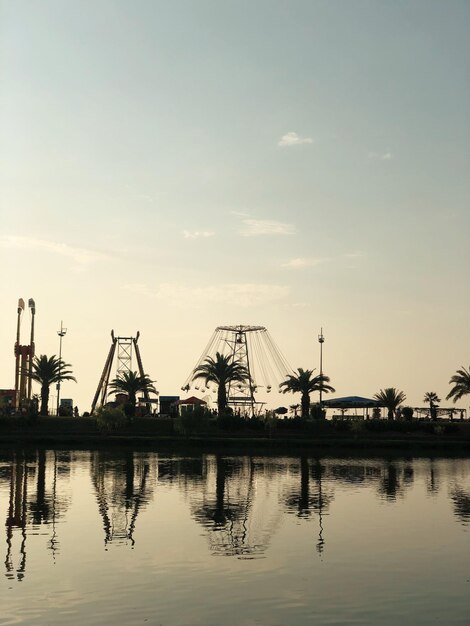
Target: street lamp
point(321, 340)
point(61, 334)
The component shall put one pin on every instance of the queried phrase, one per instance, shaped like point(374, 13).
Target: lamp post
point(321, 340)
point(61, 334)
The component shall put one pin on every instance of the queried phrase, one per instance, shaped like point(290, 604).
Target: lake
point(122, 536)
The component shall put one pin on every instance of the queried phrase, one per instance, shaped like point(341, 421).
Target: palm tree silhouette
point(390, 398)
point(131, 383)
point(461, 382)
point(433, 399)
point(46, 371)
point(303, 383)
point(222, 371)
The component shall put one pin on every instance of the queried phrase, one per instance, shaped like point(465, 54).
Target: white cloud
point(293, 139)
point(303, 262)
point(196, 234)
point(81, 256)
point(240, 213)
point(233, 294)
point(253, 228)
point(381, 156)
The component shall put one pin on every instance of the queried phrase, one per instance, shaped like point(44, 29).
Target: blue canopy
point(351, 402)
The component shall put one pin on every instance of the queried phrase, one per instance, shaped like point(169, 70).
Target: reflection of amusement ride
point(124, 484)
point(252, 347)
point(237, 506)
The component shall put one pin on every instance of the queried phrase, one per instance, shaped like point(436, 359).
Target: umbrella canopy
point(351, 402)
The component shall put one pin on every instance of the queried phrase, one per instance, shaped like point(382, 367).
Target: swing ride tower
point(252, 347)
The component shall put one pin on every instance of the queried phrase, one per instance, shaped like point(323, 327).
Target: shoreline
point(144, 433)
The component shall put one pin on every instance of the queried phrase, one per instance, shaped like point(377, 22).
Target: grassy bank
point(311, 436)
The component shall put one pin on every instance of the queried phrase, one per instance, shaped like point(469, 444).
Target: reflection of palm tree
point(119, 498)
point(461, 382)
point(309, 499)
point(41, 507)
point(301, 500)
point(461, 500)
point(390, 483)
point(238, 520)
point(433, 480)
point(303, 383)
point(390, 398)
point(222, 512)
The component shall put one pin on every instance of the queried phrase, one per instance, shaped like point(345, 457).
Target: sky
point(169, 167)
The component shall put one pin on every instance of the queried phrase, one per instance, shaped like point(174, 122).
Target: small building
point(168, 405)
point(189, 404)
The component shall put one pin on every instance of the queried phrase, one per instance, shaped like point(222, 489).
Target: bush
point(192, 420)
point(343, 426)
point(232, 422)
point(407, 413)
point(317, 413)
point(110, 418)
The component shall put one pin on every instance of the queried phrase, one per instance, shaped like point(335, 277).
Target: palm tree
point(303, 383)
point(433, 399)
point(47, 371)
point(390, 398)
point(131, 383)
point(222, 371)
point(461, 382)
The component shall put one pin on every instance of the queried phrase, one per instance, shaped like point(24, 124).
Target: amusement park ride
point(253, 347)
point(124, 346)
point(24, 358)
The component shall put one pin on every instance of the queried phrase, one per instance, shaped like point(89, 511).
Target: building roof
point(190, 400)
point(350, 402)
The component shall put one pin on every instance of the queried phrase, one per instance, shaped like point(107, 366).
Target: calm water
point(125, 537)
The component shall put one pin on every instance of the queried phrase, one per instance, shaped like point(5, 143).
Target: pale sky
point(169, 167)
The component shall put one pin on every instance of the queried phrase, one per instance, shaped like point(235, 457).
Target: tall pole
point(61, 334)
point(32, 306)
point(321, 340)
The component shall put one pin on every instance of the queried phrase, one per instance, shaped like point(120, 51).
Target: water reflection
point(225, 508)
point(461, 502)
point(238, 501)
point(123, 484)
point(310, 496)
point(34, 500)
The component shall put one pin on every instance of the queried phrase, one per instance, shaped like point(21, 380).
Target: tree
point(433, 399)
point(461, 382)
point(303, 383)
point(222, 371)
point(131, 383)
point(47, 371)
point(390, 398)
